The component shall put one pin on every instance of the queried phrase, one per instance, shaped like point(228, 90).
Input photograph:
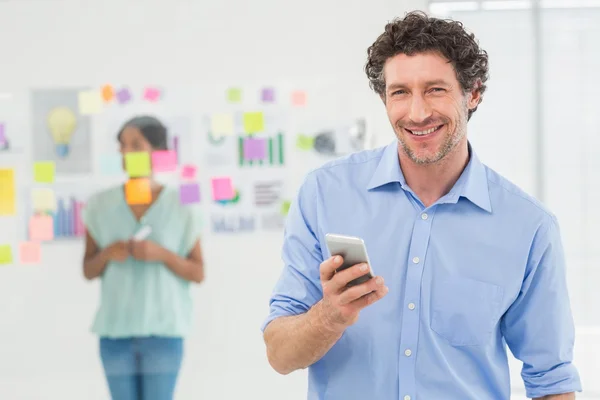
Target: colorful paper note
point(234, 95)
point(137, 164)
point(299, 98)
point(123, 95)
point(41, 228)
point(90, 102)
point(3, 138)
point(222, 124)
point(164, 161)
point(305, 142)
point(254, 122)
point(152, 94)
point(255, 149)
point(222, 189)
point(30, 252)
point(43, 200)
point(285, 207)
point(108, 93)
point(43, 171)
point(5, 254)
point(189, 193)
point(7, 192)
point(138, 191)
point(111, 164)
point(188, 171)
point(268, 95)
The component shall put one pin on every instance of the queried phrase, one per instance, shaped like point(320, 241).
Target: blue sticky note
point(111, 164)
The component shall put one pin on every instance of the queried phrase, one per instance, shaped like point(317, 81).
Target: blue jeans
point(144, 368)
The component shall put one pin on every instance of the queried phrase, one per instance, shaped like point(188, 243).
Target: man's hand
point(341, 304)
point(146, 250)
point(118, 251)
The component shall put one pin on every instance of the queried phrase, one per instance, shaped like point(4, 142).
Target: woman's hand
point(118, 251)
point(147, 250)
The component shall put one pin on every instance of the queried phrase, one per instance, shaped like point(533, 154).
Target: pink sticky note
point(152, 94)
point(222, 189)
point(30, 252)
point(188, 172)
point(41, 228)
point(164, 161)
point(268, 95)
point(189, 193)
point(299, 98)
point(255, 149)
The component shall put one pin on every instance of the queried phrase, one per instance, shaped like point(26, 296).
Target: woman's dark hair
point(418, 33)
point(151, 128)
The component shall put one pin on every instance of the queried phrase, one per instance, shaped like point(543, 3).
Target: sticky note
point(108, 93)
point(234, 95)
point(189, 193)
point(30, 252)
point(152, 94)
point(188, 171)
point(111, 164)
point(5, 254)
point(137, 164)
point(254, 122)
point(7, 192)
point(285, 207)
point(299, 98)
point(164, 161)
point(222, 124)
point(255, 148)
point(43, 171)
point(43, 200)
point(3, 139)
point(268, 95)
point(123, 95)
point(41, 228)
point(138, 191)
point(222, 189)
point(305, 142)
point(90, 102)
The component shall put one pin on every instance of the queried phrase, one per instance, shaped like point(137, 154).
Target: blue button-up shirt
point(481, 268)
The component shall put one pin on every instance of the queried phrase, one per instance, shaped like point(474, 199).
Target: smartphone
point(143, 233)
point(353, 251)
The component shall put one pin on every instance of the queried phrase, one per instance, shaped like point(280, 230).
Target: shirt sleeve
point(538, 327)
point(89, 218)
point(299, 286)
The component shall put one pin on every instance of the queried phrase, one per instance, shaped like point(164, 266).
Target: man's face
point(426, 105)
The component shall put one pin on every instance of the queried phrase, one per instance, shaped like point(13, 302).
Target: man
point(466, 260)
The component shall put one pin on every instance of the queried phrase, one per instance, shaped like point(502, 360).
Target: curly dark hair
point(419, 33)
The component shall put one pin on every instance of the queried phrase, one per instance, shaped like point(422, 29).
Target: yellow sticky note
point(137, 164)
point(254, 122)
point(90, 102)
point(285, 207)
point(43, 200)
point(30, 252)
point(43, 171)
point(234, 95)
point(138, 191)
point(41, 228)
point(222, 124)
point(304, 142)
point(5, 254)
point(7, 192)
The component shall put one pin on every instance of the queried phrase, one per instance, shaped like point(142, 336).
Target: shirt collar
point(472, 184)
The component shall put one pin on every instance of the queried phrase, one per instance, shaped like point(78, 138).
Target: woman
point(146, 306)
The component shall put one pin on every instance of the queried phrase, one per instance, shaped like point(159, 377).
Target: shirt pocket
point(464, 311)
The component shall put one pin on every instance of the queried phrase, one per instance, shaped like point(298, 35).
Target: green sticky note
point(305, 142)
point(137, 164)
point(43, 171)
point(285, 207)
point(254, 122)
point(5, 254)
point(234, 95)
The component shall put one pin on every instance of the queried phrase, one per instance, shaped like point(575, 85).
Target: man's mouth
point(424, 132)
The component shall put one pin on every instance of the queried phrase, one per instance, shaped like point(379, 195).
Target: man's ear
point(382, 97)
point(474, 96)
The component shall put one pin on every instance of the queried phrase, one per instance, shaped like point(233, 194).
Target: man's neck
point(432, 181)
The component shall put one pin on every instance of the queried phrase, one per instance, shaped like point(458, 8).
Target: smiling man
point(467, 263)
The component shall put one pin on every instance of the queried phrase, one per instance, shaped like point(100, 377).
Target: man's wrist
point(323, 322)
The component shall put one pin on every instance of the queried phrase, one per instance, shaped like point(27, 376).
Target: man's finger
point(342, 278)
point(329, 266)
point(356, 292)
point(370, 298)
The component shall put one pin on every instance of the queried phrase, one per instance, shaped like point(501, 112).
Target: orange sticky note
point(41, 228)
point(137, 191)
point(30, 252)
point(108, 93)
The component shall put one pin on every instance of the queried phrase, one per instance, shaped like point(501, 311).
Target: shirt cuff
point(562, 379)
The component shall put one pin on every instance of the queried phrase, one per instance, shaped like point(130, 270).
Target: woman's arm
point(95, 260)
point(190, 268)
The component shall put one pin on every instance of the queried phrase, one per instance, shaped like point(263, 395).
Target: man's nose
point(419, 110)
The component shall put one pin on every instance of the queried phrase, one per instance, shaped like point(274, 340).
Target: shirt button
point(407, 352)
point(411, 306)
point(424, 216)
point(416, 260)
point(407, 397)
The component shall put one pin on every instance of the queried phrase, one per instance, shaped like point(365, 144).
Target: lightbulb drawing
point(62, 123)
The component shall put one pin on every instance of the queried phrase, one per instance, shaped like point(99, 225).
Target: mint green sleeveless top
point(142, 298)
